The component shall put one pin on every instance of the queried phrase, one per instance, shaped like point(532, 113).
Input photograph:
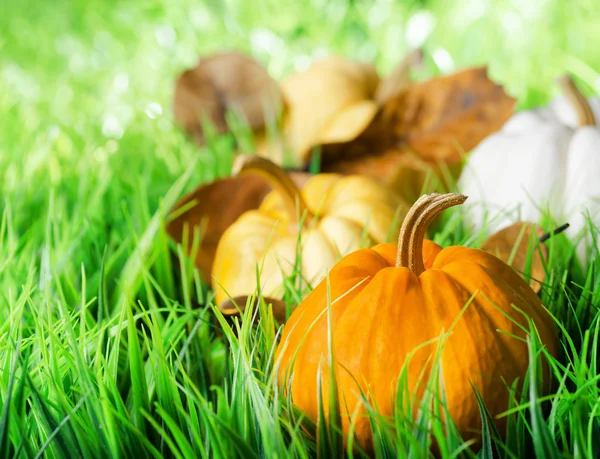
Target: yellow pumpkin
point(330, 217)
point(390, 302)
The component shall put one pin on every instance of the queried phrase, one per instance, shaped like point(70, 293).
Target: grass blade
point(543, 443)
point(6, 408)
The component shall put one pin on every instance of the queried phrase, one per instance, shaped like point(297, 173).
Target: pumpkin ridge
point(533, 313)
point(387, 252)
point(319, 202)
point(355, 279)
point(460, 266)
point(493, 264)
point(369, 353)
point(447, 255)
point(524, 307)
point(370, 228)
point(481, 311)
point(316, 244)
point(458, 290)
point(350, 223)
point(356, 261)
point(312, 350)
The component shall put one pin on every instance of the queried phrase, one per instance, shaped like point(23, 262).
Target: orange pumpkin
point(389, 300)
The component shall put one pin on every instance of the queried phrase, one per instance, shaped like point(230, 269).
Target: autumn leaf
point(515, 243)
point(329, 89)
point(442, 117)
point(222, 82)
point(213, 207)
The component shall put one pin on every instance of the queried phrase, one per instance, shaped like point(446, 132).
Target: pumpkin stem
point(277, 178)
point(582, 107)
point(414, 227)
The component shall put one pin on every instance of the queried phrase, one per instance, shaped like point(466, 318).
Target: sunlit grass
point(109, 344)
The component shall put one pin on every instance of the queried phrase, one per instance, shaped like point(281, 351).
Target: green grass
point(109, 344)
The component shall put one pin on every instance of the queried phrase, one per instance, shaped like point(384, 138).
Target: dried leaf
point(329, 88)
point(443, 117)
point(213, 207)
point(233, 307)
point(349, 122)
point(228, 81)
point(502, 243)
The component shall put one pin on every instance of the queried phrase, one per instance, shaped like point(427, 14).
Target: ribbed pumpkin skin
point(381, 313)
point(344, 205)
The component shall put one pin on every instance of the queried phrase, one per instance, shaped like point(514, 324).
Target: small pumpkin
point(547, 159)
point(389, 302)
point(331, 216)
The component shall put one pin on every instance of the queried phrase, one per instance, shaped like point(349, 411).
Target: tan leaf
point(234, 307)
point(213, 207)
point(327, 89)
point(348, 122)
point(227, 81)
point(502, 243)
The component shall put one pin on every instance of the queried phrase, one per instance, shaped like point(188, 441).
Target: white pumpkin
point(542, 160)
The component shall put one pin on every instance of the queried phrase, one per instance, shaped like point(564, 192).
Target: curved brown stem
point(278, 179)
point(582, 107)
point(414, 227)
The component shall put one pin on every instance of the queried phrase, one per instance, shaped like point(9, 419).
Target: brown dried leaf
point(444, 117)
point(502, 243)
point(213, 207)
point(438, 119)
point(234, 307)
point(227, 81)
